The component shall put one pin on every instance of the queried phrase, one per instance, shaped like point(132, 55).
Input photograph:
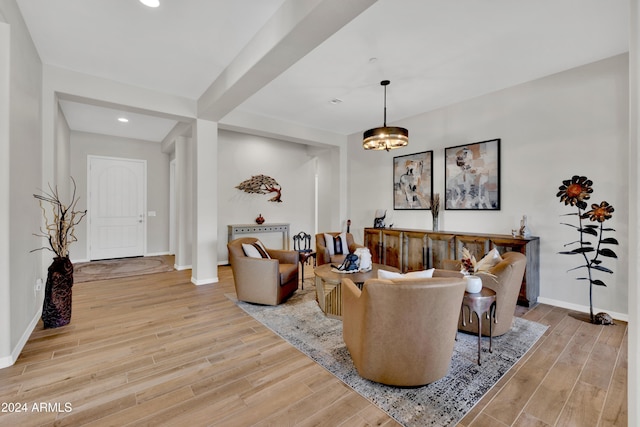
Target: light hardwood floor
point(157, 350)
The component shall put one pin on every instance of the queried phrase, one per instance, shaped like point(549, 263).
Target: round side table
point(482, 304)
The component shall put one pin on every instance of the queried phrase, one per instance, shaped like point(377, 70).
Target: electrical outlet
point(38, 286)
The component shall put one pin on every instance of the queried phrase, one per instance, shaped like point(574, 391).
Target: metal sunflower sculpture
point(574, 192)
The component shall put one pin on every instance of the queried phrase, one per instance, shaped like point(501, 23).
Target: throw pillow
point(337, 245)
point(424, 274)
point(255, 250)
point(490, 260)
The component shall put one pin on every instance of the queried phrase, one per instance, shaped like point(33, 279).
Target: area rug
point(118, 268)
point(442, 403)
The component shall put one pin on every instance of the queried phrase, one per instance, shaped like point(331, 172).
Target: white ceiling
point(435, 52)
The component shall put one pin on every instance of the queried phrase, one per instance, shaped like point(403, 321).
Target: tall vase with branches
point(574, 192)
point(435, 211)
point(60, 220)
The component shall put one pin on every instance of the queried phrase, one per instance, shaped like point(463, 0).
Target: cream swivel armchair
point(401, 332)
point(267, 281)
point(324, 253)
point(505, 278)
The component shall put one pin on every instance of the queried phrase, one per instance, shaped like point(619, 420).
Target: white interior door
point(117, 203)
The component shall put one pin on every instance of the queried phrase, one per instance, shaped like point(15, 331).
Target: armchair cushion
point(336, 245)
point(424, 274)
point(255, 250)
point(490, 260)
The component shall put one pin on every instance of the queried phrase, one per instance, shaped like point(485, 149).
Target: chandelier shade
point(385, 137)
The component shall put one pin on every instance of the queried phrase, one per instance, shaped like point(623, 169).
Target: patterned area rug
point(118, 268)
point(442, 403)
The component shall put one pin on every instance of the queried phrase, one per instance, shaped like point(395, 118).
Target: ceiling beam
point(297, 28)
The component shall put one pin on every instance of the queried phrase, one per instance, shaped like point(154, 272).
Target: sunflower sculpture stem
point(588, 264)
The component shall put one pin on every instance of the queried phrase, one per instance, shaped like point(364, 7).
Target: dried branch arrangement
point(59, 229)
point(435, 205)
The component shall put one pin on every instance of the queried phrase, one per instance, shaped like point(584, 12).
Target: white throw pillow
point(384, 274)
point(489, 261)
point(424, 274)
point(255, 250)
point(336, 244)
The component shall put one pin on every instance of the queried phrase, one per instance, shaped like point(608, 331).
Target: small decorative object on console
point(378, 222)
point(524, 229)
point(259, 219)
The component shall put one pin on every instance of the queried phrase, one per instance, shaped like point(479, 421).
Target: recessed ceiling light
point(150, 3)
point(123, 120)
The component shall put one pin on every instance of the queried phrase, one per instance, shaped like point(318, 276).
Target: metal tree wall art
point(262, 184)
point(574, 192)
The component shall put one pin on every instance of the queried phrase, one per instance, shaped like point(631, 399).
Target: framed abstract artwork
point(413, 181)
point(472, 176)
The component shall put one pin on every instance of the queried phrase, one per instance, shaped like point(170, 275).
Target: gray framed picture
point(472, 176)
point(413, 181)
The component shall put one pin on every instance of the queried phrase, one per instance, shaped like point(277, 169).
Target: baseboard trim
point(582, 308)
point(7, 361)
point(204, 281)
point(158, 254)
point(181, 267)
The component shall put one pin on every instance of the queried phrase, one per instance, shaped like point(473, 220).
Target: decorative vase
point(259, 219)
point(474, 284)
point(435, 223)
point(56, 308)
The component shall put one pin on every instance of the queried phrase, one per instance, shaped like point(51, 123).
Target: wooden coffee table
point(329, 286)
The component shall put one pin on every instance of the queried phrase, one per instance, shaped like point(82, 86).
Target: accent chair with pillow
point(505, 278)
point(261, 275)
point(332, 247)
point(401, 332)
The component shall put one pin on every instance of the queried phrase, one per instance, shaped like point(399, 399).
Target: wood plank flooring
point(158, 350)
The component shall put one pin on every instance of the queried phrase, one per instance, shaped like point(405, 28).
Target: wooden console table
point(236, 230)
point(412, 250)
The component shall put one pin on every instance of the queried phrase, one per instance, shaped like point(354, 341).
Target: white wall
point(239, 157)
point(84, 144)
point(575, 122)
point(21, 165)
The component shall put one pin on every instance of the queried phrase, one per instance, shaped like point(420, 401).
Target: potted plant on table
point(60, 221)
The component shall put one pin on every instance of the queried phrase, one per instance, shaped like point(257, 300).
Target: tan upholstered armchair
point(324, 255)
point(262, 280)
point(402, 332)
point(506, 282)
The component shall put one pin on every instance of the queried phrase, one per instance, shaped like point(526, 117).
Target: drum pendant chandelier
point(385, 138)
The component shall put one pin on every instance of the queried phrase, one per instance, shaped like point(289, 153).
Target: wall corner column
point(633, 378)
point(205, 202)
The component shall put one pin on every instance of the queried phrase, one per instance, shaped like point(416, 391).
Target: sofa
point(401, 332)
point(261, 280)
